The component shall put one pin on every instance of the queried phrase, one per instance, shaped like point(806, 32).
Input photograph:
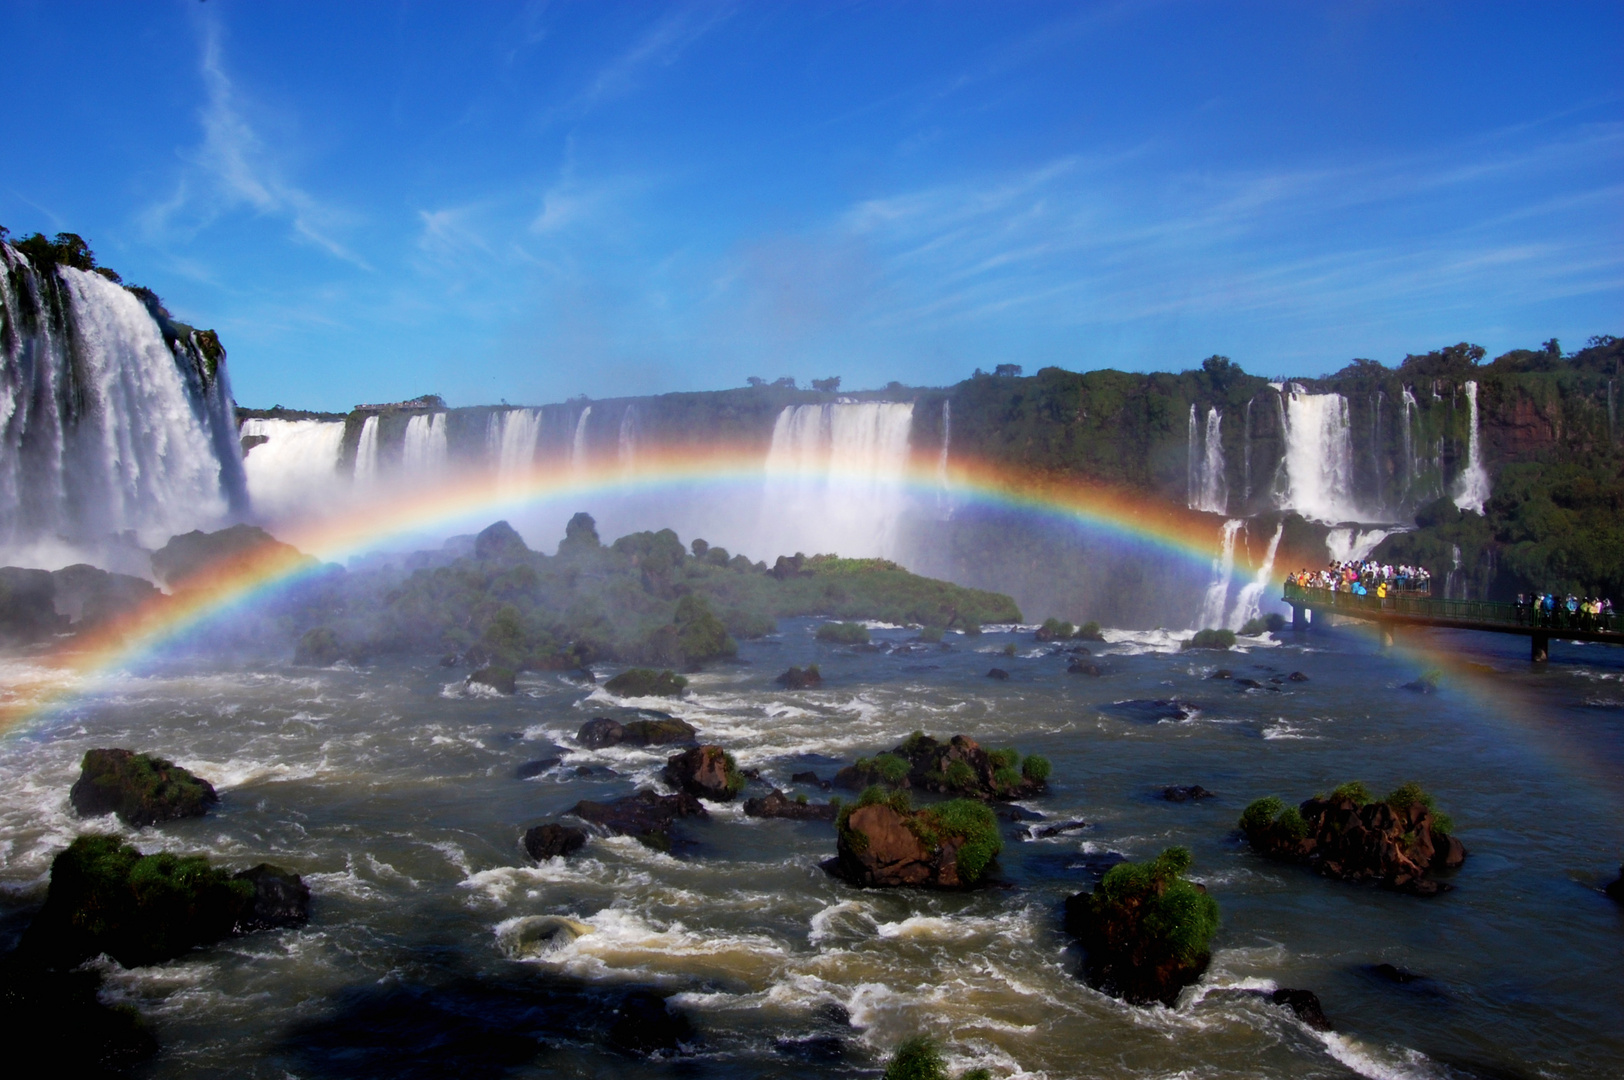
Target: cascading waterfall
point(1246, 458)
point(1192, 461)
point(424, 453)
point(834, 476)
point(1472, 489)
point(578, 444)
point(1352, 545)
point(295, 466)
point(510, 440)
point(1223, 568)
point(110, 420)
point(947, 438)
point(626, 448)
point(1319, 456)
point(366, 453)
point(1376, 470)
point(1407, 404)
point(1209, 488)
point(1248, 605)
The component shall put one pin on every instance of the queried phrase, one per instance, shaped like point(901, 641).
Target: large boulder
point(191, 559)
point(705, 772)
point(28, 606)
point(882, 842)
point(549, 841)
point(107, 897)
point(656, 730)
point(503, 680)
point(318, 647)
point(646, 682)
point(645, 1024)
point(778, 805)
point(1146, 930)
point(88, 597)
point(808, 678)
point(1616, 889)
point(1400, 841)
point(957, 767)
point(139, 788)
point(647, 816)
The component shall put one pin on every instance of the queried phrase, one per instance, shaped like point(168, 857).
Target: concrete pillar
point(1542, 648)
point(1299, 617)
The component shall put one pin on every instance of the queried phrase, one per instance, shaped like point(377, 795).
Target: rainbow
point(71, 669)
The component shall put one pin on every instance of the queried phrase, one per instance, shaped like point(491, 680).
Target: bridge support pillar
point(1299, 617)
point(1542, 648)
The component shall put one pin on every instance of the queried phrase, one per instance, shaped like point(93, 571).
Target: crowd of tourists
point(1570, 613)
point(1366, 577)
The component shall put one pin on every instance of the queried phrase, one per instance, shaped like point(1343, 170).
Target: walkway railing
point(1480, 611)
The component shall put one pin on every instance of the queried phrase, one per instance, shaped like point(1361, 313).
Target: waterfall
point(1319, 456)
point(113, 417)
point(947, 437)
point(510, 440)
point(1192, 461)
point(1472, 489)
point(1209, 489)
point(1407, 402)
point(1376, 448)
point(834, 476)
point(1248, 605)
point(295, 465)
point(1352, 545)
point(1454, 587)
point(1223, 566)
point(366, 453)
point(1246, 458)
point(578, 445)
point(626, 448)
point(423, 457)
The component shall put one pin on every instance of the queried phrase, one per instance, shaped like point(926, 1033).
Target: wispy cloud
point(234, 168)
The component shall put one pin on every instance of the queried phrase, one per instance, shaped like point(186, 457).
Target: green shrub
point(1004, 759)
point(843, 633)
point(931, 635)
point(1089, 631)
point(1260, 813)
point(961, 776)
point(1176, 913)
point(1272, 623)
point(1006, 778)
point(1036, 768)
point(916, 1059)
point(1210, 639)
point(800, 800)
point(1410, 793)
point(1009, 649)
point(1290, 821)
point(966, 818)
point(1354, 790)
point(892, 769)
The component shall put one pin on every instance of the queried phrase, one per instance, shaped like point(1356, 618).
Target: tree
point(786, 383)
point(827, 386)
point(756, 381)
point(1009, 371)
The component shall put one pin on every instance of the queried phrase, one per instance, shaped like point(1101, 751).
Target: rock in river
point(884, 843)
point(778, 805)
point(139, 788)
point(646, 815)
point(547, 841)
point(706, 772)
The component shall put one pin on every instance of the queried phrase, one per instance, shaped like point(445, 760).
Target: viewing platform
point(1488, 615)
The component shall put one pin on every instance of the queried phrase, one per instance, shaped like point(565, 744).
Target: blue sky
point(530, 201)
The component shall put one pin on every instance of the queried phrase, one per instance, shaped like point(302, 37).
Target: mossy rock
point(646, 682)
point(139, 788)
point(883, 842)
point(107, 897)
point(1210, 639)
point(319, 647)
point(503, 680)
point(843, 633)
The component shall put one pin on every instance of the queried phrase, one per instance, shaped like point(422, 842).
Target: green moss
point(1036, 768)
point(843, 633)
point(1210, 639)
point(1353, 790)
point(892, 769)
point(1006, 758)
point(960, 776)
point(931, 635)
point(1005, 779)
point(1408, 794)
point(645, 682)
point(1290, 821)
point(1180, 918)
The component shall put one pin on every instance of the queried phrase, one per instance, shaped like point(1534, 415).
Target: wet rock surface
point(1185, 793)
point(659, 730)
point(809, 678)
point(281, 899)
point(550, 841)
point(705, 772)
point(140, 788)
point(1616, 889)
point(647, 816)
point(957, 767)
point(646, 1024)
point(1399, 847)
point(882, 845)
point(776, 804)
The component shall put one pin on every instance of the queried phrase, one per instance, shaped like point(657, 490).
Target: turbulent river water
point(397, 797)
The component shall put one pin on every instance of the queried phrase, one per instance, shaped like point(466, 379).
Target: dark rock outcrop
point(647, 816)
point(139, 788)
point(705, 772)
point(600, 731)
point(107, 897)
point(1399, 842)
point(191, 558)
point(500, 543)
point(998, 673)
point(797, 679)
point(1616, 889)
point(28, 606)
point(546, 841)
point(88, 596)
point(1079, 667)
point(42, 1006)
point(957, 767)
point(646, 682)
point(885, 843)
point(1185, 792)
point(1146, 930)
point(318, 647)
point(1061, 829)
point(645, 1024)
point(536, 767)
point(659, 730)
point(1306, 1004)
point(778, 805)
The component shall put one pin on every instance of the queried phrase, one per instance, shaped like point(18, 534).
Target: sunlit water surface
point(395, 795)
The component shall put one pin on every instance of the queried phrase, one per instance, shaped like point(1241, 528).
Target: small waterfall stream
point(1209, 488)
point(1472, 489)
point(1223, 568)
point(424, 454)
point(1249, 603)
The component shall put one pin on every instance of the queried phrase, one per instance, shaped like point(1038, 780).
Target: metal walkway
point(1487, 615)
